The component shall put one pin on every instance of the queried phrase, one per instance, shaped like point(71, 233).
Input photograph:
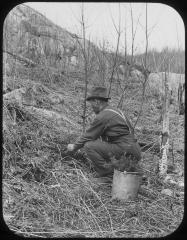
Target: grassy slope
point(47, 193)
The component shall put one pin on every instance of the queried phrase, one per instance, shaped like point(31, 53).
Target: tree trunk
point(164, 148)
point(85, 54)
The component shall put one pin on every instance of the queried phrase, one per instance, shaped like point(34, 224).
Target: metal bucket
point(125, 185)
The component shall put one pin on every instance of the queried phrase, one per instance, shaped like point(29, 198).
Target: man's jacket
point(110, 126)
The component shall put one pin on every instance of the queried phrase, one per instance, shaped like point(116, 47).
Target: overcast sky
point(165, 26)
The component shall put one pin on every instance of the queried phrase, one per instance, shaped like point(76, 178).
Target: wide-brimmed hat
point(98, 93)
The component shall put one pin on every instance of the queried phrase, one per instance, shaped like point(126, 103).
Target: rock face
point(156, 83)
point(30, 39)
point(30, 34)
point(156, 87)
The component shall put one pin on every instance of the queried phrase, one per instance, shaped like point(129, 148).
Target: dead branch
point(120, 103)
point(20, 58)
point(144, 71)
point(116, 52)
point(86, 57)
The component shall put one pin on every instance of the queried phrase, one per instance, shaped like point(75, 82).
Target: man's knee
point(97, 149)
point(91, 145)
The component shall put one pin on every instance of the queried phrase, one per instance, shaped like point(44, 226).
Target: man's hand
point(71, 147)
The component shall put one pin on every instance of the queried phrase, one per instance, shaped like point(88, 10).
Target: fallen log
point(50, 115)
point(24, 101)
point(20, 58)
point(30, 94)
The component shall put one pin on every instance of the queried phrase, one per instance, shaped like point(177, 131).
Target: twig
point(116, 52)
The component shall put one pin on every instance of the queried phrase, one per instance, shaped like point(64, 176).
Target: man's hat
point(98, 93)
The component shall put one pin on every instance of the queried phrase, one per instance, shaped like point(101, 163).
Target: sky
point(165, 26)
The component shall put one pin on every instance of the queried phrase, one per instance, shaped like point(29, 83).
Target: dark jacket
point(110, 127)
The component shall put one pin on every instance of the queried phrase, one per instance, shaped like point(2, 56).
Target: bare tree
point(144, 70)
point(102, 60)
point(85, 50)
point(83, 28)
point(118, 31)
point(164, 138)
point(181, 87)
point(133, 32)
point(146, 42)
point(125, 33)
point(126, 66)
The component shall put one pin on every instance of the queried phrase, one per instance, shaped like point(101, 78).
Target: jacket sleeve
point(95, 131)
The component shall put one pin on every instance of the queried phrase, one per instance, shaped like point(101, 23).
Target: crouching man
point(109, 142)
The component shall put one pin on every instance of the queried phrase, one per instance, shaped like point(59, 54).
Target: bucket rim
point(133, 173)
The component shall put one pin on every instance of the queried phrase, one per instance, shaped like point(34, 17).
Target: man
point(109, 142)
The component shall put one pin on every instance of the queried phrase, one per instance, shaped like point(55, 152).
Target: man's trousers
point(100, 153)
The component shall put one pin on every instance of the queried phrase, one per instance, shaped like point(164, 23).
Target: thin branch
point(85, 65)
point(120, 103)
point(132, 34)
point(116, 52)
point(146, 35)
point(145, 75)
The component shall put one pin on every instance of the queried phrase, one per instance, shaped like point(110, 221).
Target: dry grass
point(49, 194)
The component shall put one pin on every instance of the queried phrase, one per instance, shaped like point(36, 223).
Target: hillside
point(47, 193)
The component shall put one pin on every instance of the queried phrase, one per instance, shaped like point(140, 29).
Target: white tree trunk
point(164, 148)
